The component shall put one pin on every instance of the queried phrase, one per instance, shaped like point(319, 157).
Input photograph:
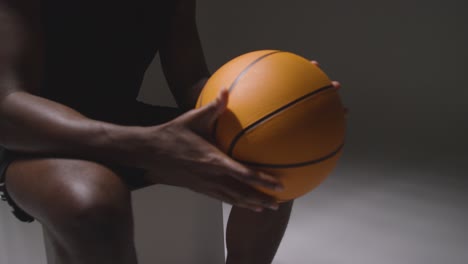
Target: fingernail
point(274, 207)
point(258, 209)
point(337, 84)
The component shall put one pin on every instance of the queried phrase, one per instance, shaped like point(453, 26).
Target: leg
point(255, 237)
point(84, 207)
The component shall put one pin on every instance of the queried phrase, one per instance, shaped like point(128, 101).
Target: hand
point(335, 84)
point(180, 154)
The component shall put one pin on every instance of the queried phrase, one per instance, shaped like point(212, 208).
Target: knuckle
point(247, 175)
point(210, 158)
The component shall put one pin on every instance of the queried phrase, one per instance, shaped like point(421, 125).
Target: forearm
point(182, 57)
point(186, 90)
point(35, 125)
point(194, 92)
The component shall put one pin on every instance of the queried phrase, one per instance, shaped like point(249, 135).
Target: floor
point(366, 212)
point(373, 212)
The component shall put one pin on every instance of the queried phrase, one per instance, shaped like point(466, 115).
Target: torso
point(96, 52)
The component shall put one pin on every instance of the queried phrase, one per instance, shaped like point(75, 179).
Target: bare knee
point(91, 200)
point(89, 209)
point(84, 206)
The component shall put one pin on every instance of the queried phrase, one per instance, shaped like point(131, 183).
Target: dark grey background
point(399, 192)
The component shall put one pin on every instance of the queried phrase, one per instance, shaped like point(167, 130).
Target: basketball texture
point(283, 117)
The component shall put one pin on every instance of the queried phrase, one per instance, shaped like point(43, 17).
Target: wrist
point(124, 145)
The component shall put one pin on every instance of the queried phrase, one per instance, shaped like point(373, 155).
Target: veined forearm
point(35, 125)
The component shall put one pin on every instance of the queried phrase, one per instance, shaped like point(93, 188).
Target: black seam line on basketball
point(244, 71)
point(241, 74)
point(201, 99)
point(293, 165)
point(272, 114)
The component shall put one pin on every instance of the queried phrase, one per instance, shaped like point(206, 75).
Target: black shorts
point(133, 177)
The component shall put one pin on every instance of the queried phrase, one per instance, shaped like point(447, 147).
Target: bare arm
point(174, 153)
point(31, 124)
point(182, 56)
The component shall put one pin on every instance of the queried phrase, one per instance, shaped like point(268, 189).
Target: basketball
point(283, 117)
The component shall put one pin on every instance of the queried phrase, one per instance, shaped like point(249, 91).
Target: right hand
point(181, 155)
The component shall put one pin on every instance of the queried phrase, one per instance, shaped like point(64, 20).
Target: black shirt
point(97, 51)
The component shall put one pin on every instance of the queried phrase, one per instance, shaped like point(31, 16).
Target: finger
point(250, 206)
point(263, 180)
point(336, 84)
point(315, 63)
point(245, 194)
point(247, 175)
point(277, 185)
point(202, 118)
point(214, 109)
point(227, 198)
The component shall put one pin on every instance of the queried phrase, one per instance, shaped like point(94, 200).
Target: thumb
point(202, 119)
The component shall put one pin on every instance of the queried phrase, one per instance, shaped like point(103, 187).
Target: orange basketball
point(283, 117)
